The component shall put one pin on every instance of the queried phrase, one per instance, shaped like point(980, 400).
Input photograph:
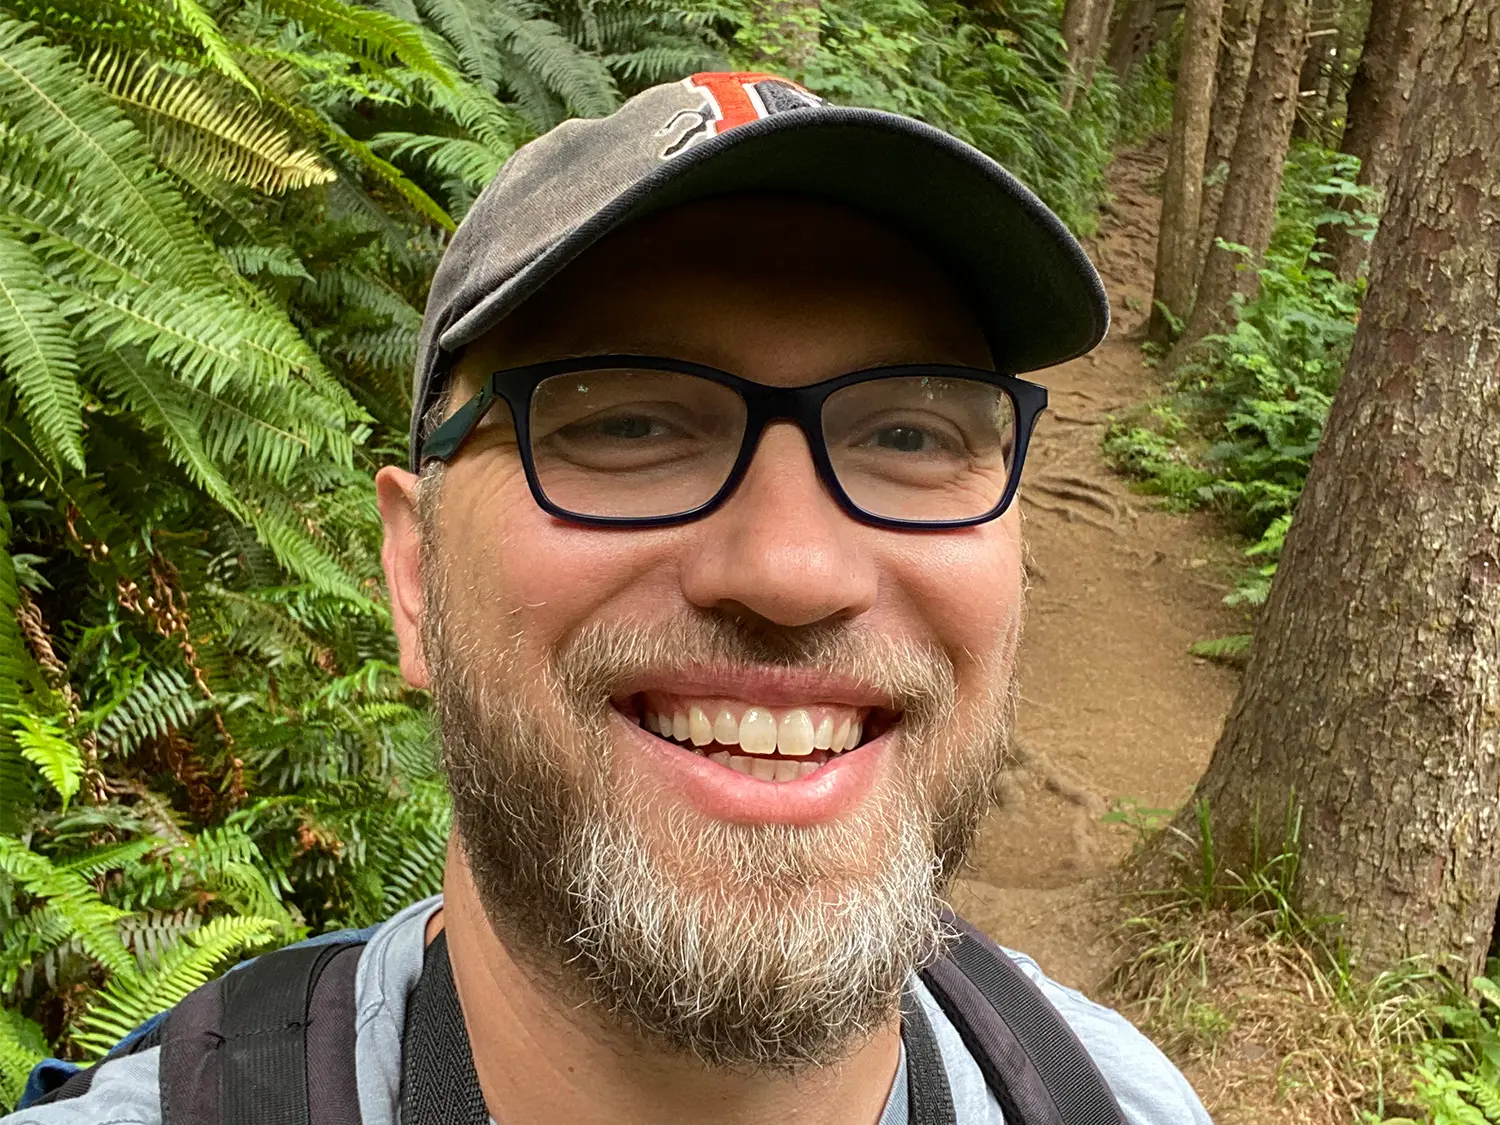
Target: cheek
point(967, 589)
point(533, 579)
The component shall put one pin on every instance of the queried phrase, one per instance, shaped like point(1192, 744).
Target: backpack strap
point(1032, 1061)
point(439, 1085)
point(236, 1051)
point(241, 1049)
point(929, 1098)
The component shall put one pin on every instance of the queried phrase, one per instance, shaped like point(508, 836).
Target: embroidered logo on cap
point(731, 99)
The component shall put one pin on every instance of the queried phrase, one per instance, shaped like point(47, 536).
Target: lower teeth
point(765, 769)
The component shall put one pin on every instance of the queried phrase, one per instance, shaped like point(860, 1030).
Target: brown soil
point(1115, 711)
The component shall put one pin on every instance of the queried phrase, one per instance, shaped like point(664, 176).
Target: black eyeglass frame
point(764, 404)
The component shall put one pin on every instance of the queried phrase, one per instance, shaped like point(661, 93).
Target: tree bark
point(1352, 23)
point(1240, 20)
point(1098, 32)
point(1084, 25)
point(1248, 209)
point(1372, 696)
point(1317, 72)
point(1377, 98)
point(1182, 188)
point(1132, 37)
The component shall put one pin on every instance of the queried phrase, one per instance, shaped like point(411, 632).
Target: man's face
point(626, 714)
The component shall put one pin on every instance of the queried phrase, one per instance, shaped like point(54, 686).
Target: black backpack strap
point(439, 1085)
point(1032, 1061)
point(242, 1049)
point(929, 1098)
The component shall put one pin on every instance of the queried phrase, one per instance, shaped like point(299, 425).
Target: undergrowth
point(1241, 420)
point(1261, 1005)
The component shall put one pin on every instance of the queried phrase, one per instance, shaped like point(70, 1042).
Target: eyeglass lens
point(639, 444)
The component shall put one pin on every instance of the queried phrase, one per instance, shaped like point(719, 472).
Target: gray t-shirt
point(1149, 1089)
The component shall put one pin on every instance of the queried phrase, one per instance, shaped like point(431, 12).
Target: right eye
point(621, 427)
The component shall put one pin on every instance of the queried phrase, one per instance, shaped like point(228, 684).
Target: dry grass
point(1267, 1025)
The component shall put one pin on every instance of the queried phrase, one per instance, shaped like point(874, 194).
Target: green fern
point(50, 98)
point(46, 745)
point(132, 997)
point(195, 127)
point(37, 354)
point(22, 1046)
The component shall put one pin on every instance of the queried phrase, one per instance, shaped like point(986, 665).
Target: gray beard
point(760, 947)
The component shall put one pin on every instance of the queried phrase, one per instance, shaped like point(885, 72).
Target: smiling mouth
point(778, 744)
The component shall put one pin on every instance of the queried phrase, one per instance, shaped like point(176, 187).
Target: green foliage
point(218, 221)
point(1244, 417)
point(1458, 1068)
point(1228, 650)
point(210, 287)
point(986, 73)
point(1146, 96)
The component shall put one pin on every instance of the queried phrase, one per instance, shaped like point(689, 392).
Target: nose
point(781, 548)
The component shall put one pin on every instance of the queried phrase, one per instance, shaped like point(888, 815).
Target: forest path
point(1113, 709)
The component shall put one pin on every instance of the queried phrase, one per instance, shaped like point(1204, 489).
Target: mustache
point(919, 678)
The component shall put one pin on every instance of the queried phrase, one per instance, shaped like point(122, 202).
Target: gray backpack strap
point(271, 1043)
point(1032, 1061)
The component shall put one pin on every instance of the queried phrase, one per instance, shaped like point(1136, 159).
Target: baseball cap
point(1033, 289)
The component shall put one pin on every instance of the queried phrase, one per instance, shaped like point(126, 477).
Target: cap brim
point(1038, 297)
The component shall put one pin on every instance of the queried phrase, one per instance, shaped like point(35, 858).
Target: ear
point(400, 554)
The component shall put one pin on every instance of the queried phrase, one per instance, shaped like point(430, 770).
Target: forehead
point(775, 288)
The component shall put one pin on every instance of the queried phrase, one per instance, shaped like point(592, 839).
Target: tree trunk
point(1098, 32)
point(1132, 38)
point(1182, 189)
point(1377, 98)
point(1352, 23)
point(1317, 62)
point(1085, 23)
point(1236, 49)
point(1373, 688)
point(1248, 209)
point(792, 32)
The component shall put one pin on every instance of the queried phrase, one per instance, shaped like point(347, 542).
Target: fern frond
point(36, 932)
point(107, 857)
point(206, 30)
point(88, 918)
point(469, 162)
point(156, 403)
point(463, 24)
point(234, 142)
point(581, 80)
point(151, 934)
point(366, 33)
point(365, 157)
point(278, 261)
point(22, 1046)
point(46, 745)
point(130, 998)
point(37, 354)
point(160, 702)
point(67, 229)
point(50, 99)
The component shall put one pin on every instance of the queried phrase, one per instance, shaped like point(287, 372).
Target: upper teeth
point(758, 730)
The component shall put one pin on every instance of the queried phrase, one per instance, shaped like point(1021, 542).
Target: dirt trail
point(1113, 709)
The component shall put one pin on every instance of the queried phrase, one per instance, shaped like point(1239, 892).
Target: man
point(709, 555)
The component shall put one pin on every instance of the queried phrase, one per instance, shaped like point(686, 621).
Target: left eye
point(911, 437)
point(634, 426)
point(902, 439)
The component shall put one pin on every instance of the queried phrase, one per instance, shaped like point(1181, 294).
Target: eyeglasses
point(642, 441)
